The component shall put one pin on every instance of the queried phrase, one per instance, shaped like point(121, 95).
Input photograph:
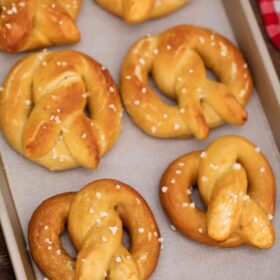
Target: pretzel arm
point(225, 104)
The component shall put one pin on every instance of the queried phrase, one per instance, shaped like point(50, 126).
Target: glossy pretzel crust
point(32, 24)
point(177, 60)
point(95, 217)
point(60, 109)
point(237, 184)
point(136, 11)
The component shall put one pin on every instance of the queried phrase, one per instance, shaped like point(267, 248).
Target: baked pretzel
point(237, 184)
point(60, 109)
point(136, 11)
point(177, 59)
point(95, 218)
point(32, 24)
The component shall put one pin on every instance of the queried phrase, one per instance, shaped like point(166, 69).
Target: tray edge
point(12, 231)
point(266, 80)
point(11, 227)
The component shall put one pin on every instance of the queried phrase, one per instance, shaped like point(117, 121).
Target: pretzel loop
point(65, 112)
point(95, 216)
point(177, 60)
point(236, 183)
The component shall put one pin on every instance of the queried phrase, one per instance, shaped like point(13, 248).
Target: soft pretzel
point(60, 109)
point(32, 24)
point(177, 59)
point(135, 11)
point(236, 183)
point(95, 218)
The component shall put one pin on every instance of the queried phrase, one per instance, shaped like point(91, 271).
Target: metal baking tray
point(105, 37)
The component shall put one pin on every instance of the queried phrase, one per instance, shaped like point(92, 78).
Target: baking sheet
point(140, 160)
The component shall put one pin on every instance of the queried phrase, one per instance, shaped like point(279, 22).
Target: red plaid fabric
point(271, 15)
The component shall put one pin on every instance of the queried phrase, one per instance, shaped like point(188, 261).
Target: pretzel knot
point(31, 24)
point(60, 109)
point(135, 11)
point(236, 183)
point(177, 59)
point(95, 216)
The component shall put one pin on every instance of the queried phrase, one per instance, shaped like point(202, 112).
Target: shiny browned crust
point(33, 24)
point(177, 60)
point(236, 183)
point(95, 217)
point(137, 11)
point(42, 109)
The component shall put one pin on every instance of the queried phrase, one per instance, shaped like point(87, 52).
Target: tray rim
point(243, 10)
point(266, 81)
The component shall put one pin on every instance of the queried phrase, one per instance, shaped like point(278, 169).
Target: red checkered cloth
point(271, 14)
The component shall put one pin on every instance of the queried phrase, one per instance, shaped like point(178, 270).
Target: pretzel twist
point(136, 11)
point(177, 59)
point(32, 24)
point(60, 109)
point(237, 184)
point(95, 216)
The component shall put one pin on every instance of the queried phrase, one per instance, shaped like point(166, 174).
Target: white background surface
point(140, 160)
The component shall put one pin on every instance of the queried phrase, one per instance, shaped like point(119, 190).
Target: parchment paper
point(140, 160)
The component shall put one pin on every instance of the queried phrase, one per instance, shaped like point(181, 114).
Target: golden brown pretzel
point(95, 217)
point(135, 11)
point(236, 183)
point(60, 109)
point(32, 24)
point(177, 59)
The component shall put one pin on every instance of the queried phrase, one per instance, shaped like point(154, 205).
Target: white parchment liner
point(140, 160)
